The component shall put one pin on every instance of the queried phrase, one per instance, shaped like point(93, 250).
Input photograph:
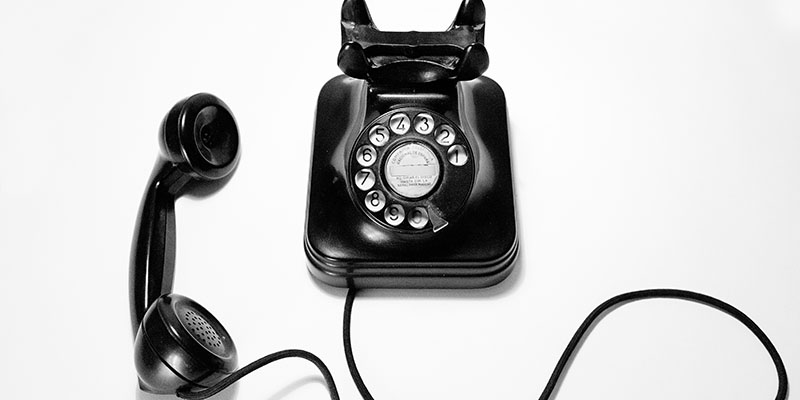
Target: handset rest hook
point(457, 54)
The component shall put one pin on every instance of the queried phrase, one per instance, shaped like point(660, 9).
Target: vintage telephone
point(413, 127)
point(179, 346)
point(410, 180)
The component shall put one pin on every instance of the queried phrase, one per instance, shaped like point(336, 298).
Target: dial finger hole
point(379, 135)
point(375, 200)
point(418, 217)
point(423, 123)
point(445, 136)
point(394, 214)
point(366, 155)
point(399, 123)
point(365, 179)
point(457, 155)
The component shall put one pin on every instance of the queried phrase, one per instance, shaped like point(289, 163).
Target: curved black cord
point(675, 294)
point(240, 373)
point(587, 323)
point(348, 348)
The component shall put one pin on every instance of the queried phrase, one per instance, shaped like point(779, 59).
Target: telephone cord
point(587, 323)
point(240, 373)
point(554, 377)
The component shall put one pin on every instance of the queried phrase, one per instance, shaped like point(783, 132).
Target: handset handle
point(152, 263)
point(456, 54)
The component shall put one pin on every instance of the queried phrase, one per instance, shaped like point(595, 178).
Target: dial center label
point(412, 170)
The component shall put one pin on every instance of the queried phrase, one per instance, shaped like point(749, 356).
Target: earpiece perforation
point(202, 330)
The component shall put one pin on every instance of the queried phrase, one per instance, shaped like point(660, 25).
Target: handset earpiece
point(178, 343)
point(199, 135)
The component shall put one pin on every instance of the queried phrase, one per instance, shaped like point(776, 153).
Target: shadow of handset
point(228, 394)
point(232, 391)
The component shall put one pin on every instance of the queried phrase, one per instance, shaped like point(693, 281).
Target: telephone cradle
point(410, 183)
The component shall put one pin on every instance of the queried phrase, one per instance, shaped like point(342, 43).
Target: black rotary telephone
point(410, 187)
point(410, 171)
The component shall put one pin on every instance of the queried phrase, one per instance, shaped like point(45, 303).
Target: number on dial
point(394, 214)
point(446, 136)
point(418, 217)
point(366, 155)
point(457, 155)
point(365, 179)
point(399, 123)
point(375, 200)
point(423, 123)
point(379, 135)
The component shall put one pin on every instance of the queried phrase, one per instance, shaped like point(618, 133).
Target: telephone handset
point(410, 182)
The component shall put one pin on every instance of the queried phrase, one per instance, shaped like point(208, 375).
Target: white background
point(655, 144)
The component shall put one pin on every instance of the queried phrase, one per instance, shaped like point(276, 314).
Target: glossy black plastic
point(388, 72)
point(199, 142)
point(346, 248)
point(419, 57)
point(178, 343)
point(181, 345)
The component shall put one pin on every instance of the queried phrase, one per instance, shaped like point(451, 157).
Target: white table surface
point(655, 144)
